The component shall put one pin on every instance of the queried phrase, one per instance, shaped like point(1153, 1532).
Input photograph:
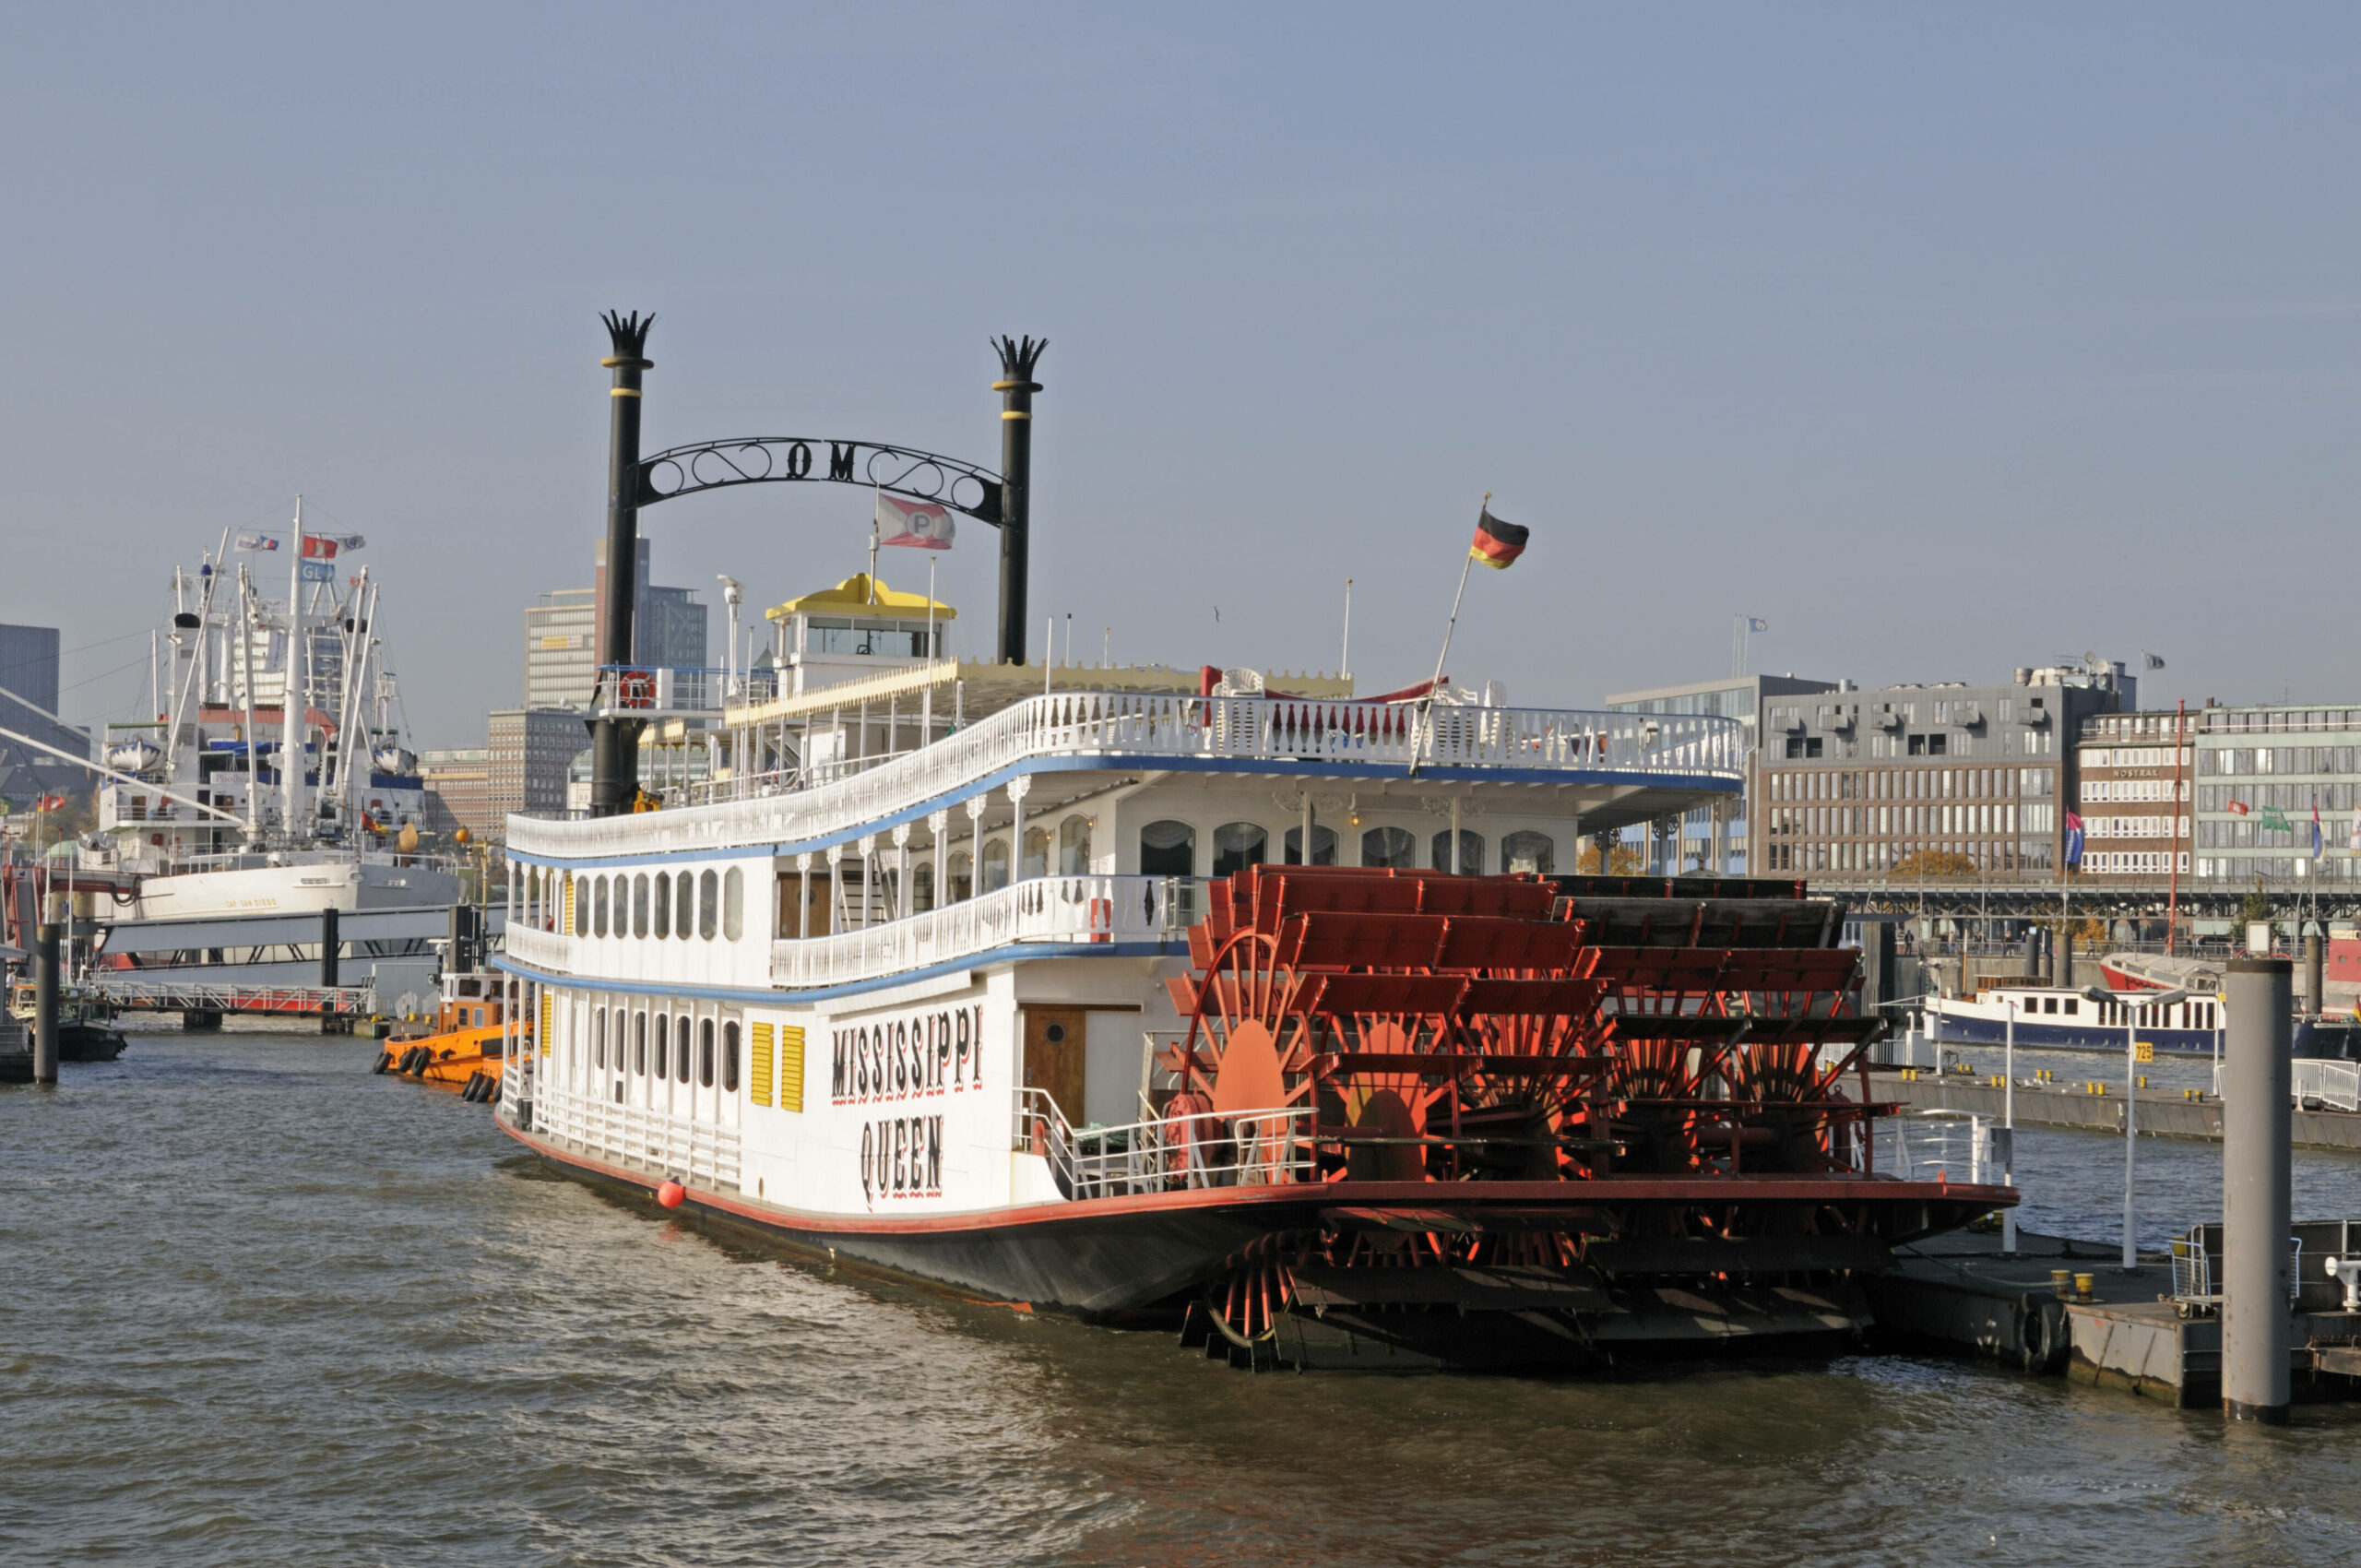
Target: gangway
point(197, 996)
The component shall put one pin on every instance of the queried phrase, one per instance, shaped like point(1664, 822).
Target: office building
point(28, 693)
point(561, 650)
point(1739, 697)
point(1942, 783)
point(2261, 773)
point(459, 792)
point(669, 628)
point(529, 748)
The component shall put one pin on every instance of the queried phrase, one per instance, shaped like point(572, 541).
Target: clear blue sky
point(1946, 340)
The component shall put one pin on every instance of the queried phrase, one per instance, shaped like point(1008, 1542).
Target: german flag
point(1497, 543)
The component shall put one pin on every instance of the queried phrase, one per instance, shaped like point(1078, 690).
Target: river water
point(257, 1306)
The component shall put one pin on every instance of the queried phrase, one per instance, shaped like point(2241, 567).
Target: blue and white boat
point(2053, 1019)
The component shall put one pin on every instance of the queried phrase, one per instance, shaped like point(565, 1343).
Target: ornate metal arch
point(769, 459)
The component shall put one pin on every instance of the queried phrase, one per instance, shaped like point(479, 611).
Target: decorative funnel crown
point(1017, 360)
point(629, 333)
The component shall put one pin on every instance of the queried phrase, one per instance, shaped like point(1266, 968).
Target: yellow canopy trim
point(858, 593)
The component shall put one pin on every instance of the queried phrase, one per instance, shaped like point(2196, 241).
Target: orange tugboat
point(463, 1049)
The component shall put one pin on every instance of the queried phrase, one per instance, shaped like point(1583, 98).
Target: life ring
point(636, 689)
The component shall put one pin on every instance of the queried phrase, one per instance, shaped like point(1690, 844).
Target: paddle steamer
point(1136, 994)
point(1245, 1003)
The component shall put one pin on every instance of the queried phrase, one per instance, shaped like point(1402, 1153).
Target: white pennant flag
point(914, 525)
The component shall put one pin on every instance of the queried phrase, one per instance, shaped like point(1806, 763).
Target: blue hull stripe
point(2046, 1036)
point(1014, 953)
point(1314, 767)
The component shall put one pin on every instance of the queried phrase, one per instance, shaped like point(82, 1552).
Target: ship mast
point(246, 621)
point(292, 701)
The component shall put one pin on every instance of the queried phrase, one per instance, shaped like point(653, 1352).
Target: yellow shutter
point(545, 1021)
point(758, 1074)
point(566, 925)
point(790, 1069)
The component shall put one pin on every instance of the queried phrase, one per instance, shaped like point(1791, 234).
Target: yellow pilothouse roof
point(858, 592)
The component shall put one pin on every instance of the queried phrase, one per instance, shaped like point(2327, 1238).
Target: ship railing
point(2195, 1276)
point(1152, 726)
point(2322, 1085)
point(639, 690)
point(657, 1140)
point(543, 949)
point(1169, 1153)
point(1927, 1146)
point(1083, 910)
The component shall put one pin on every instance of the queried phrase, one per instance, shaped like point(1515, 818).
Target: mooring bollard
point(2257, 1317)
point(45, 1002)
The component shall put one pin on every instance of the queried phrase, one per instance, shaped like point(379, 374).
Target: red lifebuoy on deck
point(637, 689)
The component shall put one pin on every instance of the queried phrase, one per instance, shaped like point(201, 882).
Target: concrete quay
point(2164, 1113)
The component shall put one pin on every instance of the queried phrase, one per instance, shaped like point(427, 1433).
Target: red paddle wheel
point(1481, 1083)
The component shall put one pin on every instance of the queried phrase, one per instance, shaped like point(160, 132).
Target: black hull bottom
point(1784, 1293)
point(88, 1042)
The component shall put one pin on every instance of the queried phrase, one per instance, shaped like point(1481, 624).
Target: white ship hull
point(305, 887)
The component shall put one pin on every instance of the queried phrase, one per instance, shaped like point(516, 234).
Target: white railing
point(2336, 1085)
point(543, 949)
point(1151, 726)
point(1253, 1148)
point(678, 1145)
point(625, 689)
point(1924, 1144)
point(195, 996)
point(2194, 1279)
point(1080, 909)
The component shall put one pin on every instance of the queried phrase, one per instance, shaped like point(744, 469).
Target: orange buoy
point(670, 1193)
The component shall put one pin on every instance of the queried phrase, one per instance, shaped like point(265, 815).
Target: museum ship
point(239, 826)
point(1128, 990)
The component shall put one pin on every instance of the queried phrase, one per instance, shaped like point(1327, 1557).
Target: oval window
point(705, 1054)
point(640, 1043)
point(709, 904)
point(684, 905)
point(663, 923)
point(680, 1049)
point(730, 1058)
point(733, 905)
point(598, 1037)
point(639, 905)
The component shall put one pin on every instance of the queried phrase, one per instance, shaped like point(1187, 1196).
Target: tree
point(1932, 865)
point(1623, 861)
point(2257, 906)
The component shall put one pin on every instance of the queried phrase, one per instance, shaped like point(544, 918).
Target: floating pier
point(2155, 1332)
point(2164, 1113)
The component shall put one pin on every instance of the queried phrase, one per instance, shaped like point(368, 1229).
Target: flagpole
point(1428, 702)
point(876, 499)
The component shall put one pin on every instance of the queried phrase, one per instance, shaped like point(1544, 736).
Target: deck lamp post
point(2102, 995)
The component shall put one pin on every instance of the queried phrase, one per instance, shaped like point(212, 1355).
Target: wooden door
point(795, 889)
point(1054, 1056)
